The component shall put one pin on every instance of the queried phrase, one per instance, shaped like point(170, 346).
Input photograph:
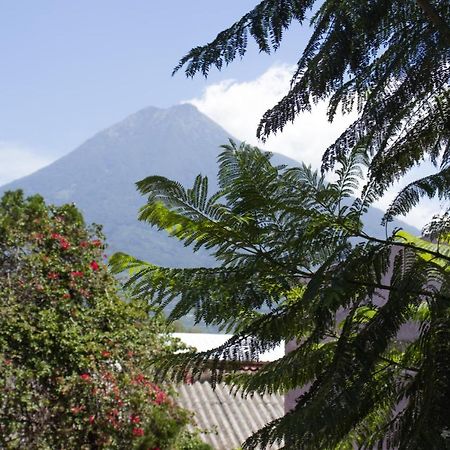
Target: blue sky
point(72, 68)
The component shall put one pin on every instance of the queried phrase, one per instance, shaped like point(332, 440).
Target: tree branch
point(403, 244)
point(435, 19)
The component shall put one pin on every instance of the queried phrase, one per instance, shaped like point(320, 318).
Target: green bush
point(75, 358)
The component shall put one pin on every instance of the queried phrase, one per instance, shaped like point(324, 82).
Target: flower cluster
point(116, 402)
point(63, 242)
point(73, 353)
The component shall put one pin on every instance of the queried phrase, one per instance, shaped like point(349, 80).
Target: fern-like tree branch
point(294, 263)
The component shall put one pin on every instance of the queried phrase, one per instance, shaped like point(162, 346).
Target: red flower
point(53, 276)
point(91, 419)
point(160, 397)
point(94, 265)
point(96, 242)
point(135, 419)
point(85, 377)
point(139, 378)
point(116, 391)
point(64, 244)
point(55, 236)
point(105, 353)
point(108, 376)
point(76, 273)
point(84, 244)
point(138, 432)
point(66, 295)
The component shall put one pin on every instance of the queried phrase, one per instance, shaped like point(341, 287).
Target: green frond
point(293, 265)
point(433, 185)
point(389, 61)
point(350, 173)
point(438, 229)
point(265, 23)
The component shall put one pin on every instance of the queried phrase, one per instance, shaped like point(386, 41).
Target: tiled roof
point(234, 418)
point(207, 341)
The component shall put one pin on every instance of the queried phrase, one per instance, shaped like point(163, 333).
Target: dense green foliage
point(389, 59)
point(371, 316)
point(74, 356)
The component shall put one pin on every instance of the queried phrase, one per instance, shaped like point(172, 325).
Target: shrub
point(75, 357)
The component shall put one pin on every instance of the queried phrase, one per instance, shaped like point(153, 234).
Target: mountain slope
point(99, 177)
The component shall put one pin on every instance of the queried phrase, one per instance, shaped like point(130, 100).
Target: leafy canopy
point(74, 357)
point(389, 59)
point(371, 317)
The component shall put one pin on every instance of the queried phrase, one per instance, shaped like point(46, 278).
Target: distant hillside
point(99, 177)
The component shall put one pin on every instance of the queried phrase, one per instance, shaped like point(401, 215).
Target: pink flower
point(94, 265)
point(138, 432)
point(77, 409)
point(84, 293)
point(160, 397)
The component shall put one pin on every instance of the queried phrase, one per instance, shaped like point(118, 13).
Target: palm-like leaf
point(290, 269)
point(388, 60)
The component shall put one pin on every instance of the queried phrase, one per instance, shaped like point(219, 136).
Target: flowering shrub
point(74, 356)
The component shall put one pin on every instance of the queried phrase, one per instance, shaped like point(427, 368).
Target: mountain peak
point(100, 175)
point(177, 118)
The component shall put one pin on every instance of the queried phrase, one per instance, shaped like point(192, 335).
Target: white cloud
point(426, 209)
point(238, 106)
point(16, 161)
